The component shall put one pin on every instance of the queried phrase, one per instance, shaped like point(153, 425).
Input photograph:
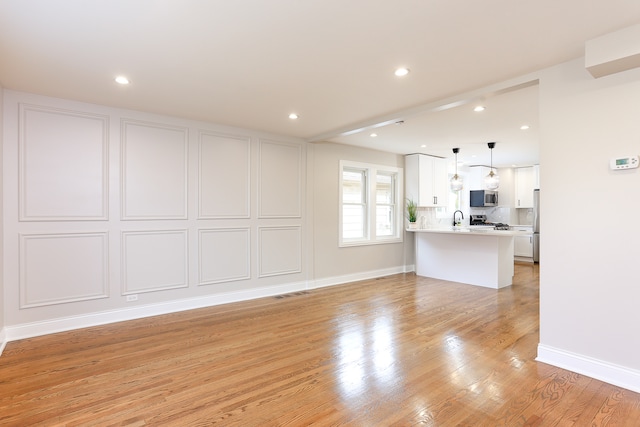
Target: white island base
point(476, 258)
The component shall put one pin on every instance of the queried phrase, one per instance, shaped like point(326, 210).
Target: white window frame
point(370, 237)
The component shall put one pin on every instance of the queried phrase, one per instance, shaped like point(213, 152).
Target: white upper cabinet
point(427, 181)
point(476, 177)
point(536, 177)
point(524, 187)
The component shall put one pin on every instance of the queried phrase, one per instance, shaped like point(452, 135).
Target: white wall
point(332, 264)
point(105, 205)
point(2, 297)
point(589, 285)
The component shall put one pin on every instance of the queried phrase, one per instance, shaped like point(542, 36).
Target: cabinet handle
point(435, 200)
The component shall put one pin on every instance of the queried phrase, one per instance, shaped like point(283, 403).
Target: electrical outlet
point(132, 298)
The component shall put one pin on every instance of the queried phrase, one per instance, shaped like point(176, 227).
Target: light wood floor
point(399, 350)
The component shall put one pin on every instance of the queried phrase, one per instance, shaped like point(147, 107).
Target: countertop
point(480, 231)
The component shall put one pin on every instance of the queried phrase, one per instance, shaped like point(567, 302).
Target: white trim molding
point(3, 340)
point(604, 371)
point(34, 329)
point(355, 277)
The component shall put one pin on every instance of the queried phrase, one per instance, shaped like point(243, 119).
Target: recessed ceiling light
point(373, 135)
point(423, 146)
point(401, 72)
point(524, 127)
point(479, 108)
point(293, 116)
point(122, 80)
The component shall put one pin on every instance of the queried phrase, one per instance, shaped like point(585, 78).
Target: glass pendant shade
point(491, 181)
point(456, 183)
point(456, 180)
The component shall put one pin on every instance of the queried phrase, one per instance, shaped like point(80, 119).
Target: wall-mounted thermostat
point(624, 162)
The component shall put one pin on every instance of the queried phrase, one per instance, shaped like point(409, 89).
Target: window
point(354, 203)
point(370, 208)
point(385, 203)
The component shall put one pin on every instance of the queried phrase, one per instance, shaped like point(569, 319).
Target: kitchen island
point(481, 257)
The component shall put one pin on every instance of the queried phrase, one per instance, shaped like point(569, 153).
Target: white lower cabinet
point(523, 244)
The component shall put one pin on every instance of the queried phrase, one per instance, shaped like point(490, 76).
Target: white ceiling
point(249, 63)
point(437, 130)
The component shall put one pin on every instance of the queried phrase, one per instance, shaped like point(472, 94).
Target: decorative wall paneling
point(54, 186)
point(62, 268)
point(154, 171)
point(116, 214)
point(280, 181)
point(224, 178)
point(154, 261)
point(280, 250)
point(224, 255)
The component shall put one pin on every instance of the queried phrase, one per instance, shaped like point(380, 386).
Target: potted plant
point(412, 213)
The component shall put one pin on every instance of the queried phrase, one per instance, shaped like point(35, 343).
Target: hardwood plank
point(400, 350)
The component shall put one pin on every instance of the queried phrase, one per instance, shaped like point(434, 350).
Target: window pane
point(384, 189)
point(353, 184)
point(384, 220)
point(353, 221)
point(385, 204)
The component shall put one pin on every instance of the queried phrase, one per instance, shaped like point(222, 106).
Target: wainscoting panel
point(225, 255)
point(111, 213)
point(154, 171)
point(154, 260)
point(63, 165)
point(224, 176)
point(61, 268)
point(280, 180)
point(280, 250)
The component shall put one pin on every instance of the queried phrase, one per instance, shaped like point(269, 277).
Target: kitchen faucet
point(454, 216)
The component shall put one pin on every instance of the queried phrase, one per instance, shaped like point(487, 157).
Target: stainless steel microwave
point(482, 198)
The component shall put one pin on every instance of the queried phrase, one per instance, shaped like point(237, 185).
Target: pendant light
point(491, 181)
point(456, 181)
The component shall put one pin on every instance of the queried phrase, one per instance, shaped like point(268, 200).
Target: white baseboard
point(610, 373)
point(347, 278)
point(51, 326)
point(28, 330)
point(3, 340)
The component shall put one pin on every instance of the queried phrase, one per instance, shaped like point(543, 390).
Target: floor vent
point(294, 294)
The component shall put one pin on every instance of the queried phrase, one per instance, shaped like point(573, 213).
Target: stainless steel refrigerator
point(536, 225)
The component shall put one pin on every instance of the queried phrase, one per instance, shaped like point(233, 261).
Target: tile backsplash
point(525, 216)
point(496, 214)
point(438, 217)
